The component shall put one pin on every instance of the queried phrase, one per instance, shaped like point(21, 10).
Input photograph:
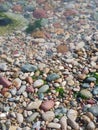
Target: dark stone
point(5, 21)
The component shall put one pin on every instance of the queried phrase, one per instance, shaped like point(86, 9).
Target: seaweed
point(60, 90)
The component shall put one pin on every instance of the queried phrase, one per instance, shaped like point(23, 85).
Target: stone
point(91, 79)
point(62, 49)
point(38, 34)
point(47, 105)
point(34, 105)
point(70, 12)
point(5, 82)
point(29, 80)
point(28, 68)
point(17, 8)
point(43, 89)
point(48, 116)
point(52, 77)
point(86, 94)
point(85, 85)
point(38, 83)
point(3, 66)
point(13, 127)
point(21, 89)
point(95, 90)
point(63, 122)
point(86, 119)
point(32, 117)
point(39, 13)
point(91, 126)
point(13, 91)
point(17, 83)
point(94, 110)
point(72, 114)
point(19, 117)
point(54, 125)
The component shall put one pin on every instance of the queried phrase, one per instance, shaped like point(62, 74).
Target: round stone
point(52, 77)
point(38, 83)
point(94, 110)
point(48, 116)
point(95, 90)
point(43, 89)
point(84, 93)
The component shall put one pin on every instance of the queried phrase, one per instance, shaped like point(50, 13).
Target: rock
point(19, 117)
point(73, 124)
point(62, 49)
point(52, 77)
point(85, 85)
point(29, 80)
point(39, 13)
point(54, 125)
point(13, 127)
point(91, 126)
point(86, 119)
point(72, 114)
point(21, 89)
point(94, 110)
point(28, 68)
point(29, 8)
point(95, 90)
point(17, 83)
point(37, 125)
point(3, 66)
point(38, 83)
point(5, 82)
point(38, 34)
point(86, 94)
point(48, 116)
point(91, 79)
point(32, 117)
point(70, 12)
point(34, 105)
point(63, 122)
point(47, 105)
point(17, 8)
point(43, 89)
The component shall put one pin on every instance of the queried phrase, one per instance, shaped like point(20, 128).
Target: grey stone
point(85, 85)
point(91, 126)
point(19, 117)
point(95, 90)
point(3, 66)
point(94, 110)
point(86, 94)
point(52, 77)
point(22, 89)
point(54, 125)
point(63, 122)
point(38, 83)
point(48, 116)
point(72, 114)
point(43, 89)
point(32, 117)
point(73, 124)
point(28, 68)
point(91, 79)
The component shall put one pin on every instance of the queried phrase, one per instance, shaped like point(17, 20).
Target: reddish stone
point(47, 105)
point(39, 13)
point(70, 12)
point(17, 8)
point(30, 89)
point(62, 49)
point(91, 101)
point(5, 82)
point(4, 90)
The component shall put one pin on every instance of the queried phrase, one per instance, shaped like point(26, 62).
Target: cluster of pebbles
point(49, 78)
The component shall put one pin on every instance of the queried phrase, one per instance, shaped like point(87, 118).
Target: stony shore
point(49, 77)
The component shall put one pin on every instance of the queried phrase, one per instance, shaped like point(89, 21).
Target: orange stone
point(38, 34)
point(62, 49)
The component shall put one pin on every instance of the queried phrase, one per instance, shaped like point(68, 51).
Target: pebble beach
point(48, 64)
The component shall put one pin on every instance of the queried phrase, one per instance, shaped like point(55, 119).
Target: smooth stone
point(13, 128)
point(28, 68)
point(86, 94)
point(19, 117)
point(86, 119)
point(63, 122)
point(48, 116)
point(21, 90)
point(41, 96)
point(13, 91)
point(91, 126)
point(43, 89)
point(91, 79)
point(72, 114)
point(38, 83)
point(5, 82)
point(47, 105)
point(34, 105)
point(95, 90)
point(52, 77)
point(32, 117)
point(94, 110)
point(37, 125)
point(85, 85)
point(73, 124)
point(54, 125)
point(17, 83)
point(3, 66)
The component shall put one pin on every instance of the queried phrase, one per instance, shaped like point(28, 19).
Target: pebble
point(52, 77)
point(3, 66)
point(54, 125)
point(91, 79)
point(32, 117)
point(86, 94)
point(91, 126)
point(47, 105)
point(38, 83)
point(21, 89)
point(72, 114)
point(39, 13)
point(28, 68)
point(95, 90)
point(13, 128)
point(17, 83)
point(85, 85)
point(43, 89)
point(34, 105)
point(94, 110)
point(48, 116)
point(63, 122)
point(5, 82)
point(19, 117)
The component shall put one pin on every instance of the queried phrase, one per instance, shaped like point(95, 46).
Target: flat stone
point(48, 116)
point(54, 125)
point(52, 77)
point(86, 94)
point(47, 105)
point(43, 89)
point(38, 83)
point(72, 114)
point(34, 105)
point(5, 82)
point(63, 122)
point(19, 117)
point(94, 110)
point(28, 68)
